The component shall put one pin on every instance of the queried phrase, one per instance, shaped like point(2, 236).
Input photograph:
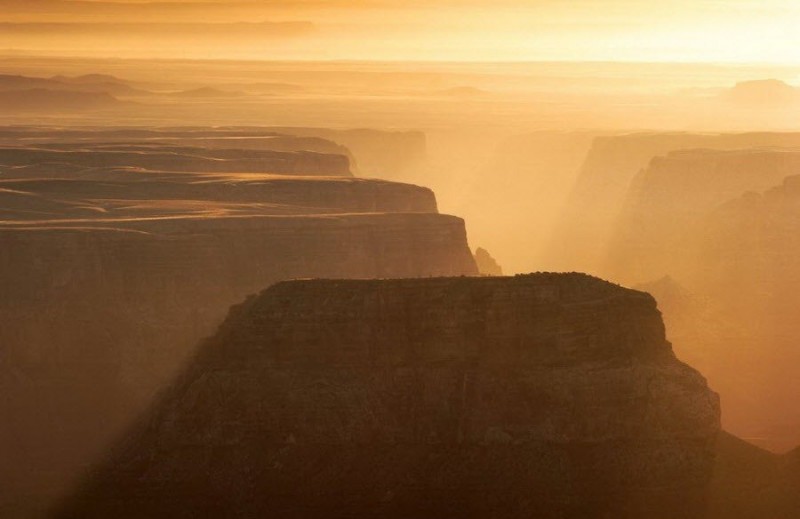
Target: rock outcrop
point(547, 395)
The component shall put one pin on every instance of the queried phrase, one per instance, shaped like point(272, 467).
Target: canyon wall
point(111, 275)
point(668, 201)
point(584, 230)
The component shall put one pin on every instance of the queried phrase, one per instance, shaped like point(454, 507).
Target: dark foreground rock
point(543, 395)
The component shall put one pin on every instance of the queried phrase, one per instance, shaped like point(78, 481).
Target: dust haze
point(399, 260)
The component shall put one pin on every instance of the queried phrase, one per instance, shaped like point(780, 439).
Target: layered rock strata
point(112, 273)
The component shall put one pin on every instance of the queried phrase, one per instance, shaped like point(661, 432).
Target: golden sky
point(751, 31)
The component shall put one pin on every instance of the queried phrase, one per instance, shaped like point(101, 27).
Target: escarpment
point(113, 271)
point(584, 230)
point(547, 395)
point(669, 200)
point(700, 218)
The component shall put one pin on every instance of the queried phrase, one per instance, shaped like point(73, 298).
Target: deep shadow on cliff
point(543, 395)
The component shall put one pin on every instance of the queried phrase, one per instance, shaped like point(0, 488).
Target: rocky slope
point(547, 395)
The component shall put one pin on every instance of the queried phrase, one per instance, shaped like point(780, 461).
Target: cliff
point(584, 229)
point(668, 201)
point(735, 258)
point(543, 395)
point(749, 248)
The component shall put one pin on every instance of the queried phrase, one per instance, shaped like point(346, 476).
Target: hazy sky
point(641, 30)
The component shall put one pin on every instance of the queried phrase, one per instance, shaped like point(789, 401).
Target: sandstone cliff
point(542, 395)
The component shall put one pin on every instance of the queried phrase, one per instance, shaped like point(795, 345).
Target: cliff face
point(584, 230)
point(669, 200)
point(111, 275)
point(736, 254)
point(542, 395)
point(749, 246)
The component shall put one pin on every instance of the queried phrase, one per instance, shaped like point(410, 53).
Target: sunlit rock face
point(584, 231)
point(542, 395)
point(112, 274)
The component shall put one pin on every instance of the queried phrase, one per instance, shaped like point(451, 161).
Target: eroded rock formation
point(543, 395)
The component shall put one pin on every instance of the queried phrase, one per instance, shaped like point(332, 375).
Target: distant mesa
point(462, 91)
point(763, 93)
point(272, 88)
point(206, 93)
point(46, 100)
point(487, 265)
point(90, 83)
